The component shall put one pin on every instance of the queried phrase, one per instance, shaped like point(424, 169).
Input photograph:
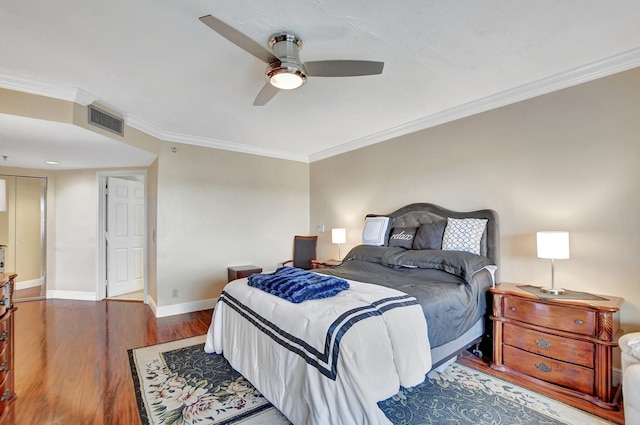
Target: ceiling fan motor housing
point(289, 72)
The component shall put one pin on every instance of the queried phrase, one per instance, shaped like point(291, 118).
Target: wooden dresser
point(563, 348)
point(7, 393)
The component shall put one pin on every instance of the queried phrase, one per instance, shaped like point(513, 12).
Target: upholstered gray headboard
point(420, 213)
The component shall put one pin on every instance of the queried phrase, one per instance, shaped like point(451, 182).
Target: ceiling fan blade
point(238, 38)
point(265, 95)
point(343, 68)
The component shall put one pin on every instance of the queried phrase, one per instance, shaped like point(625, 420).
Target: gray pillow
point(460, 263)
point(402, 237)
point(430, 235)
point(370, 253)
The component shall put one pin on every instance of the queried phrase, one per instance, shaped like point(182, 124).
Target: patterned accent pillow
point(375, 231)
point(402, 237)
point(463, 234)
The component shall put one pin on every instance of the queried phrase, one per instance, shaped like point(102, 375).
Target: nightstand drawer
point(5, 395)
point(4, 333)
point(5, 358)
point(566, 319)
point(4, 368)
point(556, 347)
point(554, 371)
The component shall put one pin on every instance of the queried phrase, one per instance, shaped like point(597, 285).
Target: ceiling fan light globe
point(286, 76)
point(286, 81)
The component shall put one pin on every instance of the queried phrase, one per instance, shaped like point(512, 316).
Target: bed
point(416, 296)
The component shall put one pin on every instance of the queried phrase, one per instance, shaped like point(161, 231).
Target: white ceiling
point(175, 78)
point(29, 142)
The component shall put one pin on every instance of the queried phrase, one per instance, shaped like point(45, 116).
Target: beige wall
point(34, 106)
point(209, 208)
point(152, 224)
point(7, 230)
point(28, 219)
point(76, 229)
point(217, 209)
point(50, 213)
point(71, 227)
point(569, 160)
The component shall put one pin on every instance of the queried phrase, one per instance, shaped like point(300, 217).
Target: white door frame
point(101, 280)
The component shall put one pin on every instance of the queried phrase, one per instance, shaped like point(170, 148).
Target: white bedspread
point(323, 361)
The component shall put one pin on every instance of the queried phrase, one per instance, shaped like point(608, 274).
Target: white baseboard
point(72, 295)
point(158, 311)
point(152, 304)
point(173, 309)
point(29, 284)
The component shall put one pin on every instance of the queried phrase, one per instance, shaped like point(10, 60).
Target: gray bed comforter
point(450, 285)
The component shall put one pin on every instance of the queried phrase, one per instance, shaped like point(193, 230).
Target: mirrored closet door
point(22, 230)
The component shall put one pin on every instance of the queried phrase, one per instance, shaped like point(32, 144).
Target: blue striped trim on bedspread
point(326, 361)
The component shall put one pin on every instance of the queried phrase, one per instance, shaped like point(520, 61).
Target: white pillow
point(375, 230)
point(463, 234)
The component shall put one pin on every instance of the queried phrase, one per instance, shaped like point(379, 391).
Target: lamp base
point(554, 291)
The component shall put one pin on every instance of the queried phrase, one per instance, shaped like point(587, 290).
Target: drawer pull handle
point(579, 322)
point(3, 301)
point(543, 367)
point(4, 336)
point(5, 396)
point(513, 309)
point(543, 343)
point(3, 366)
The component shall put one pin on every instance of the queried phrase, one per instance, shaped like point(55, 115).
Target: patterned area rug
point(177, 383)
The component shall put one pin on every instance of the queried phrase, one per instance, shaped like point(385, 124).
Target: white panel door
point(125, 236)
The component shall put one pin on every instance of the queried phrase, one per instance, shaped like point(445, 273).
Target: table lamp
point(554, 246)
point(339, 236)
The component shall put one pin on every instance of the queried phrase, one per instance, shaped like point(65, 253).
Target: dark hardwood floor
point(34, 292)
point(71, 362)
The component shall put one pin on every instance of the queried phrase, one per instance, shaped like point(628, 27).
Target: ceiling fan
point(285, 70)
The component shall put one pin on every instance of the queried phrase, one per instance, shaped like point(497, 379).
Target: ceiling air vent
point(106, 121)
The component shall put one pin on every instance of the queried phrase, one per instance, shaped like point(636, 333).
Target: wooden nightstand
point(562, 348)
point(323, 264)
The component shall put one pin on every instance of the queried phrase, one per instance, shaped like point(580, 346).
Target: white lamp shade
point(3, 195)
point(553, 245)
point(339, 235)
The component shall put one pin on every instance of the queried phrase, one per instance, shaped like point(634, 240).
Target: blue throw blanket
point(297, 285)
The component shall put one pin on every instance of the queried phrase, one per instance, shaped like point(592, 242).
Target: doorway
point(122, 250)
point(23, 232)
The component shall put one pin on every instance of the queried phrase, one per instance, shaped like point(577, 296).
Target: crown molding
point(209, 142)
point(39, 88)
point(583, 74)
